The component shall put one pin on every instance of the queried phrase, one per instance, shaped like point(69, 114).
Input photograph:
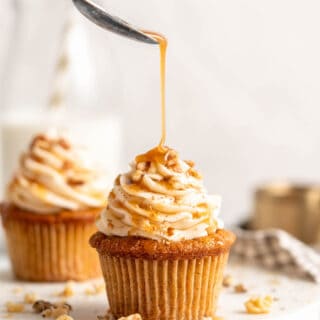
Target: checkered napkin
point(276, 249)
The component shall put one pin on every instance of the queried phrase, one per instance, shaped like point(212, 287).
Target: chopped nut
point(97, 288)
point(135, 316)
point(17, 290)
point(67, 291)
point(107, 316)
point(30, 298)
point(41, 305)
point(14, 307)
point(57, 310)
point(227, 281)
point(258, 305)
point(64, 317)
point(240, 288)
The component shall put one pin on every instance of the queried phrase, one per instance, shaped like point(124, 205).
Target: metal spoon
point(114, 24)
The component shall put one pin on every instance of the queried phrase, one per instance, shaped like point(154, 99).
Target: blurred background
point(242, 86)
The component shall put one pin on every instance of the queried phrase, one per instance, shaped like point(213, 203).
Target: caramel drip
point(163, 50)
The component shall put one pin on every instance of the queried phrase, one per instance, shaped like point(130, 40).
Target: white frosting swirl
point(54, 177)
point(161, 198)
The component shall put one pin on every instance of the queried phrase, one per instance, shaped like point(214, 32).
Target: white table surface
point(295, 299)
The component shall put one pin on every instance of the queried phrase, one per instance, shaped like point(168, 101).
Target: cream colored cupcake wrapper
point(51, 251)
point(169, 289)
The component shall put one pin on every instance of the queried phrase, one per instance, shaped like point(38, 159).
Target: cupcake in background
point(162, 247)
point(50, 210)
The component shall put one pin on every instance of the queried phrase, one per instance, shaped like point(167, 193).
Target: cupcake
point(161, 245)
point(50, 210)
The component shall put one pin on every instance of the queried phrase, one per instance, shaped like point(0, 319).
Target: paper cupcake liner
point(166, 289)
point(51, 251)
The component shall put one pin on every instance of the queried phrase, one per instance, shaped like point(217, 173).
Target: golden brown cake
point(50, 211)
point(162, 247)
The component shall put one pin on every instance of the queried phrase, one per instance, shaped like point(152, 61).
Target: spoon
point(109, 22)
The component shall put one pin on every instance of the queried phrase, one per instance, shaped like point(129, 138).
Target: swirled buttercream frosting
point(53, 176)
point(163, 198)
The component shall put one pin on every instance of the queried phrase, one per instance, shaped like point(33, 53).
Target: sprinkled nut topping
point(13, 307)
point(259, 305)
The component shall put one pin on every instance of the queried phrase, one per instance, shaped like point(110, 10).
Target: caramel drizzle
point(163, 43)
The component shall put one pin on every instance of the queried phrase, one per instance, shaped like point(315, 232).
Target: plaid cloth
point(276, 249)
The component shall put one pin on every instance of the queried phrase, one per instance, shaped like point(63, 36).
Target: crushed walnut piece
point(51, 310)
point(227, 281)
point(64, 317)
point(240, 288)
point(107, 316)
point(41, 305)
point(259, 305)
point(14, 307)
point(97, 288)
point(61, 309)
point(67, 291)
point(135, 316)
point(17, 290)
point(30, 298)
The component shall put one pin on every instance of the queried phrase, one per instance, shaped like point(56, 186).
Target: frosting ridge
point(53, 176)
point(162, 197)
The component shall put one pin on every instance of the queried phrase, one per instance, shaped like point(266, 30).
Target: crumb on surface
point(64, 317)
point(50, 310)
point(135, 316)
point(97, 288)
point(17, 290)
point(14, 307)
point(67, 291)
point(259, 305)
point(227, 281)
point(240, 288)
point(30, 298)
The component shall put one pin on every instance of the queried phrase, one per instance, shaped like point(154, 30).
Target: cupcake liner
point(163, 289)
point(46, 251)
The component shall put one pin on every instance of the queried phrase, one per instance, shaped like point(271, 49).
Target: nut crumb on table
point(50, 310)
point(17, 290)
point(64, 317)
point(95, 289)
point(30, 298)
point(259, 305)
point(227, 281)
point(67, 291)
point(240, 288)
point(135, 316)
point(14, 307)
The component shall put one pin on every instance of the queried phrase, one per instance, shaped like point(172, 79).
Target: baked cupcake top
point(53, 175)
point(163, 198)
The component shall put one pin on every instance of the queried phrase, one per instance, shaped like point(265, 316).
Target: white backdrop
point(243, 82)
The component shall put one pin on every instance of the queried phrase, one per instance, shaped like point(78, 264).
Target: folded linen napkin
point(276, 249)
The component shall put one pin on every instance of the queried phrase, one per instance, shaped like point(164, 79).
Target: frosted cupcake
point(50, 212)
point(161, 244)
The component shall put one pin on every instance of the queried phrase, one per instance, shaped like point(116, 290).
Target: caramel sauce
point(163, 43)
point(156, 154)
